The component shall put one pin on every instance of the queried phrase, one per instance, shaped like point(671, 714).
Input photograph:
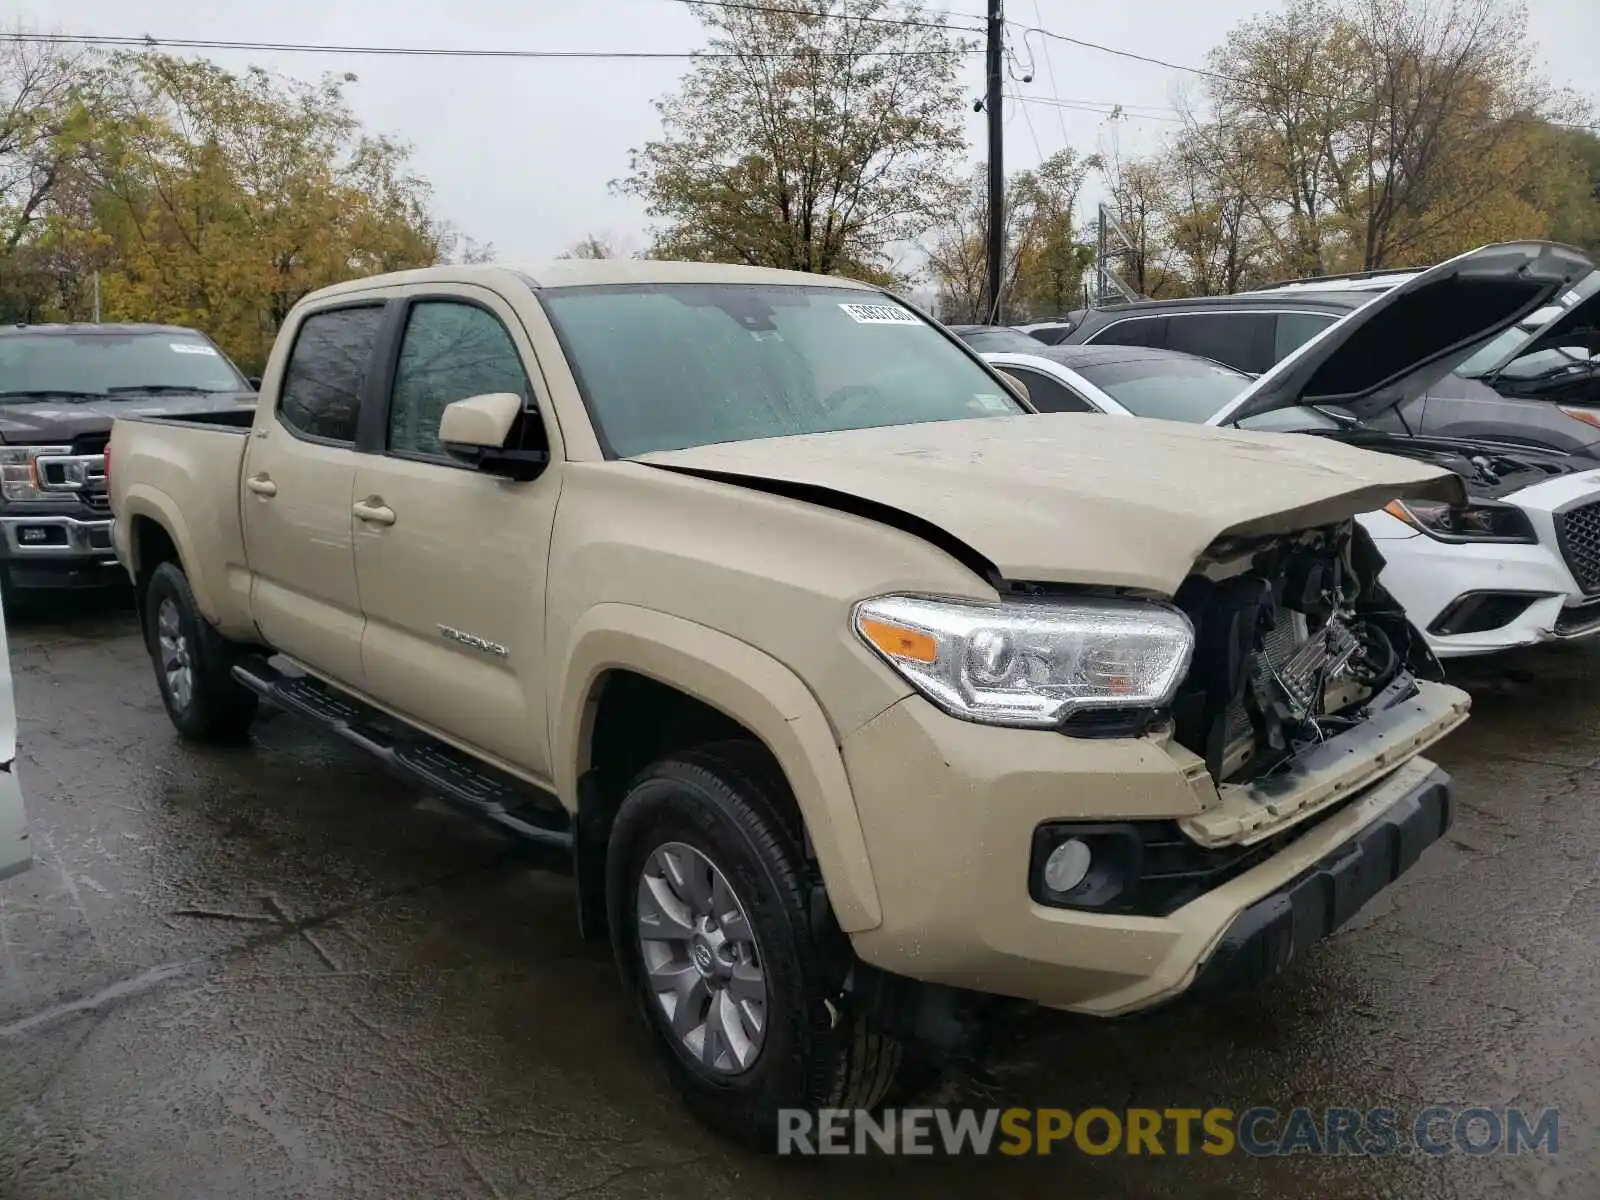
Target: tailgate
point(14, 854)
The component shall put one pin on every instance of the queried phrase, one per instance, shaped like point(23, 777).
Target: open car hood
point(1393, 348)
point(1072, 497)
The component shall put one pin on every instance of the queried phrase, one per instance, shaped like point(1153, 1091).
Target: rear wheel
point(193, 663)
point(711, 933)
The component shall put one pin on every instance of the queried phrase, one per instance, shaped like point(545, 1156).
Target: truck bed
point(236, 420)
point(181, 475)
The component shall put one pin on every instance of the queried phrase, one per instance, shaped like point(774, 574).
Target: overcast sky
point(520, 152)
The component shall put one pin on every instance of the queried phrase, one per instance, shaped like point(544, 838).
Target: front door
point(450, 561)
point(299, 487)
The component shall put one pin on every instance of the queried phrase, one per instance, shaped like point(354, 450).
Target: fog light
point(1067, 865)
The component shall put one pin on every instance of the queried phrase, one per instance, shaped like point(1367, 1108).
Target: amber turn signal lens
point(899, 641)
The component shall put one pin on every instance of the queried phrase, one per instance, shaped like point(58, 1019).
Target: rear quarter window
point(1132, 331)
point(321, 393)
point(1295, 330)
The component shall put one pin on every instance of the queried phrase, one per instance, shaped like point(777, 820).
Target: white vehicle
point(14, 854)
point(1519, 564)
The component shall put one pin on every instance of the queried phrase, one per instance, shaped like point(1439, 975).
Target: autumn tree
point(1141, 199)
point(1361, 134)
point(1045, 259)
point(199, 196)
point(597, 246)
point(40, 129)
point(816, 135)
point(229, 197)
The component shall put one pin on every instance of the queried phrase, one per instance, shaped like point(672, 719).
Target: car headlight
point(1033, 662)
point(1478, 521)
point(19, 478)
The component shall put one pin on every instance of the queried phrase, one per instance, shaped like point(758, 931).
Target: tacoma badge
point(473, 640)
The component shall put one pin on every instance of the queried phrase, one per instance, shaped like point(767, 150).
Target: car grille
point(1579, 532)
point(98, 501)
point(91, 443)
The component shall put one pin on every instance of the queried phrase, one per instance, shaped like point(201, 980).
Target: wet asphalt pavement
point(276, 972)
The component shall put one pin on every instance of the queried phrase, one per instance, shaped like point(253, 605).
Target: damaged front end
point(1307, 680)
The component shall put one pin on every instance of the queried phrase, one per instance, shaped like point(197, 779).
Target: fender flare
point(752, 688)
point(142, 500)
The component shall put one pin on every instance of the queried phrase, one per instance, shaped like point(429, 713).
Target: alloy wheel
point(701, 959)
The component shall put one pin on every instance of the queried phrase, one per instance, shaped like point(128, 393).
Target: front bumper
point(54, 549)
point(1429, 577)
point(949, 809)
point(1277, 929)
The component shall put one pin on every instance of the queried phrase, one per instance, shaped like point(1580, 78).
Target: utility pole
point(997, 172)
point(97, 297)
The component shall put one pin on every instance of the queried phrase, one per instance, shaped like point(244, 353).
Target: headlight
point(1479, 521)
point(19, 480)
point(1031, 663)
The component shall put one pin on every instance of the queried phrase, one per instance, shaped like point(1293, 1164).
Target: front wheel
point(193, 663)
point(711, 933)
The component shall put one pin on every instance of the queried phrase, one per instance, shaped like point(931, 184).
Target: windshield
point(1169, 389)
point(117, 365)
point(666, 366)
point(1577, 342)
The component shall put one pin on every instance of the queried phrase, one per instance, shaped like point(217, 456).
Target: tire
point(213, 706)
point(727, 804)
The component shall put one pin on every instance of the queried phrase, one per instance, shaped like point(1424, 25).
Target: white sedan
point(1519, 565)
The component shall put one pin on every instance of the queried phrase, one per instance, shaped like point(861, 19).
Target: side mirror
point(1016, 385)
point(255, 383)
point(476, 431)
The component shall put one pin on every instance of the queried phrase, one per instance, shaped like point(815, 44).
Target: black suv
point(1254, 330)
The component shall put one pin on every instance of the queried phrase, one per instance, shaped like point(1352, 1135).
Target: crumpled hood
point(1077, 498)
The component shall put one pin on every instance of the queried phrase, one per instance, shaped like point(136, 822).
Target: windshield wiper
point(52, 394)
point(154, 389)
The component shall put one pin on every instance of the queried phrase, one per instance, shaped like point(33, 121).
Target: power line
point(1050, 70)
point(1205, 73)
point(909, 22)
point(1104, 49)
point(1104, 108)
point(149, 42)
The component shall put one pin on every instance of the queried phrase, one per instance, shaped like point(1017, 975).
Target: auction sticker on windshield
point(192, 348)
point(880, 314)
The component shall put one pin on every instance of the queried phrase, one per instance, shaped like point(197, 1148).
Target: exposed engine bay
point(1491, 469)
point(1295, 642)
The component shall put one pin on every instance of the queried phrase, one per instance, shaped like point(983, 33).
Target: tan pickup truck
point(861, 700)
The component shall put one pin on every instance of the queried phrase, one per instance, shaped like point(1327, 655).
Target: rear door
point(451, 562)
point(14, 855)
point(299, 485)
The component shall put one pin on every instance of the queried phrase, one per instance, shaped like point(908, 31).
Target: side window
point(1133, 331)
point(1239, 340)
point(321, 394)
point(1295, 330)
point(451, 351)
point(1047, 394)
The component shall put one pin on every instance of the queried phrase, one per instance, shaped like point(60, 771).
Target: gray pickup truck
point(61, 386)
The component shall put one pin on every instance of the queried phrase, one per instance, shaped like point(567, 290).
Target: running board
point(476, 788)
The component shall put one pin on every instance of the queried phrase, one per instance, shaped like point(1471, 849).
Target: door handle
point(261, 485)
point(373, 511)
